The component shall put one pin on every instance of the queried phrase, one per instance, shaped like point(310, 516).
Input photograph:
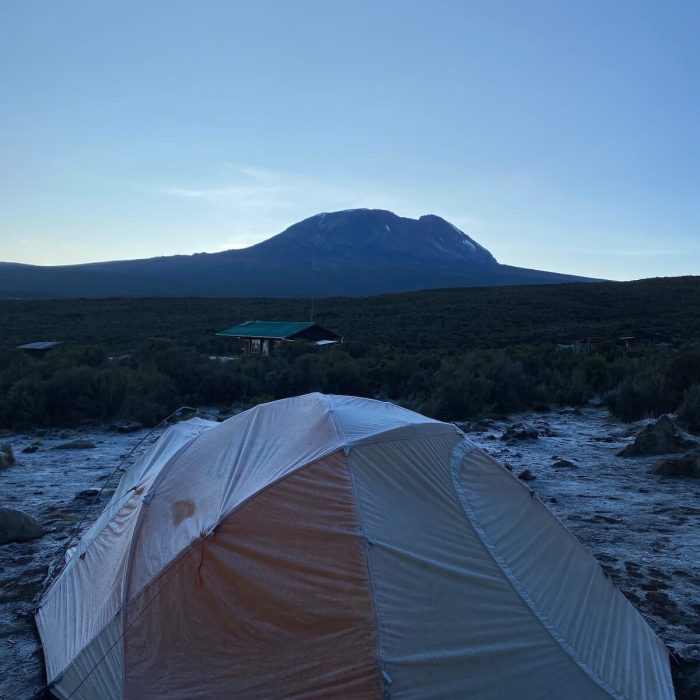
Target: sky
point(560, 135)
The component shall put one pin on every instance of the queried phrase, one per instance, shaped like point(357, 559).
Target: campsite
point(349, 350)
point(555, 417)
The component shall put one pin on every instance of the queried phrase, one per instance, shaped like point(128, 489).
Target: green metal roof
point(267, 329)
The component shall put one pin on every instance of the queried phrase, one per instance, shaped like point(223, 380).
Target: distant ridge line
point(356, 252)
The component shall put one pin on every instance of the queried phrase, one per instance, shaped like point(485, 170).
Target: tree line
point(79, 384)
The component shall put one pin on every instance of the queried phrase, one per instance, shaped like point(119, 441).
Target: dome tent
point(330, 546)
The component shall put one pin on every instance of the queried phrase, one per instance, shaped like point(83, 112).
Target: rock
point(520, 432)
point(686, 465)
point(86, 495)
point(16, 526)
point(656, 439)
point(31, 448)
point(526, 475)
point(129, 427)
point(563, 464)
point(76, 445)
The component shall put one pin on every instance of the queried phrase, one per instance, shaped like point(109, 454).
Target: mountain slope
point(354, 252)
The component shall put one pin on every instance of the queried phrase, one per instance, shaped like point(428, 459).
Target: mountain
point(352, 253)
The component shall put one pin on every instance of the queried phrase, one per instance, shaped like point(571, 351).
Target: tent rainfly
point(330, 546)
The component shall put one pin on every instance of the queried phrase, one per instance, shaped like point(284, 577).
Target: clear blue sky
point(561, 135)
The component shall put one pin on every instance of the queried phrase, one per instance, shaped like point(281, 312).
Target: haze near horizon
point(559, 136)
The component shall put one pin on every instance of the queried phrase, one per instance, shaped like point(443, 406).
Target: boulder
point(76, 445)
point(656, 439)
point(686, 465)
point(16, 526)
point(563, 464)
point(127, 427)
point(526, 475)
point(520, 432)
point(86, 495)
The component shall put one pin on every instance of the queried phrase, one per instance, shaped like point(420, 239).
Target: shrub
point(689, 412)
point(640, 396)
point(160, 375)
point(7, 456)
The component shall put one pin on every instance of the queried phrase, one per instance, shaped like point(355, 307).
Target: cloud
point(257, 203)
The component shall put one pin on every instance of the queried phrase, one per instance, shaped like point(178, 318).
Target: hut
point(39, 349)
point(264, 337)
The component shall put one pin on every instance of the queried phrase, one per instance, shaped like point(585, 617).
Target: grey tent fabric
point(332, 546)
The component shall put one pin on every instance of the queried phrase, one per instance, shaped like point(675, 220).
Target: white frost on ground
point(44, 484)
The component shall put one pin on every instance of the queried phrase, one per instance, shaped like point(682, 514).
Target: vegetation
point(452, 354)
point(689, 412)
point(439, 321)
point(7, 456)
point(74, 385)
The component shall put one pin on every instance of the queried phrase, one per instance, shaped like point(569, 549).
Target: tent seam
point(574, 540)
point(226, 514)
point(131, 553)
point(370, 578)
point(361, 442)
point(456, 460)
point(341, 433)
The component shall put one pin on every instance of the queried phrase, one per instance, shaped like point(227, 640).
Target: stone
point(16, 526)
point(563, 464)
point(76, 445)
point(656, 439)
point(519, 432)
point(86, 495)
point(127, 427)
point(685, 465)
point(526, 475)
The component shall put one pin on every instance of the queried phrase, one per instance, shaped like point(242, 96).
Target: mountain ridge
point(354, 252)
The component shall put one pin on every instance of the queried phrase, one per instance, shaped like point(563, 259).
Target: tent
point(336, 547)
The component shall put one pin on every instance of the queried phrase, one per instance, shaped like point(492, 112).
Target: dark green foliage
point(437, 321)
point(689, 412)
point(640, 396)
point(160, 376)
point(453, 354)
point(7, 455)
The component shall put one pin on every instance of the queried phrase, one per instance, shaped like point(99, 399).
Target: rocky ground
point(644, 528)
point(55, 485)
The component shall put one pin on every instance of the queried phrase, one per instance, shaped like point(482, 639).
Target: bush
point(158, 376)
point(7, 456)
point(689, 412)
point(641, 396)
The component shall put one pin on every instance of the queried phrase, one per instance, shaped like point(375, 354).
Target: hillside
point(351, 253)
point(442, 320)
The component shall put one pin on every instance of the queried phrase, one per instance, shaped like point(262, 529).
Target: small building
point(39, 349)
point(264, 337)
point(581, 346)
point(635, 341)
